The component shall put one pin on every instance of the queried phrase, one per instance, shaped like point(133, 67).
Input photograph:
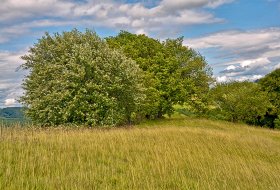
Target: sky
point(240, 39)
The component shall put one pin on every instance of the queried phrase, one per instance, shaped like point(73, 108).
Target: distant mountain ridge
point(12, 112)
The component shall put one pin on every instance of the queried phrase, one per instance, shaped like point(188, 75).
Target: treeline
point(80, 78)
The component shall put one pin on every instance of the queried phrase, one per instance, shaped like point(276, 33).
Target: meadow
point(175, 153)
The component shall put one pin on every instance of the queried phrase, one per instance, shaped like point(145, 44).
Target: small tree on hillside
point(76, 78)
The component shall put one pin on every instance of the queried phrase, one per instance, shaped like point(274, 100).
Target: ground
point(174, 153)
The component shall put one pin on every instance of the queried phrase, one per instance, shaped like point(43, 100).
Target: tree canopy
point(176, 74)
point(76, 78)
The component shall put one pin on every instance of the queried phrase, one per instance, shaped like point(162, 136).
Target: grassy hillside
point(178, 153)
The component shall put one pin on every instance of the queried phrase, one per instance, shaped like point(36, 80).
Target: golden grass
point(180, 153)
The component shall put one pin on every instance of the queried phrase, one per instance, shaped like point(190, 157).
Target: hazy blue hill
point(12, 112)
point(10, 116)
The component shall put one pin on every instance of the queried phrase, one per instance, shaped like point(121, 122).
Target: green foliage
point(175, 73)
point(239, 102)
point(271, 84)
point(76, 78)
point(277, 122)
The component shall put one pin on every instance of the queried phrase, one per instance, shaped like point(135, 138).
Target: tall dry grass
point(182, 153)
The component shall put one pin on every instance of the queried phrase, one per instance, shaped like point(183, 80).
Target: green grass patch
point(175, 153)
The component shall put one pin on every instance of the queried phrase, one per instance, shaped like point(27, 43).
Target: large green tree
point(239, 102)
point(175, 74)
point(76, 78)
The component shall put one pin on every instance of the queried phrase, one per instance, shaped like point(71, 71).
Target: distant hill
point(12, 112)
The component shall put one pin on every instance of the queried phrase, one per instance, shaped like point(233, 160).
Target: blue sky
point(240, 39)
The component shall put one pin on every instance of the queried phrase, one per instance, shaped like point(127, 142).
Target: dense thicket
point(175, 74)
point(76, 78)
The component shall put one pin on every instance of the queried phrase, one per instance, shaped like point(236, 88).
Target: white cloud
point(10, 102)
point(9, 61)
point(250, 78)
point(10, 32)
point(231, 67)
point(246, 63)
point(18, 17)
point(249, 40)
point(18, 9)
point(138, 17)
point(225, 78)
point(11, 10)
point(222, 79)
point(217, 3)
point(189, 4)
point(13, 31)
point(256, 62)
point(245, 55)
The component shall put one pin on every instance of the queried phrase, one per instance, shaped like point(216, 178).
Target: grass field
point(176, 153)
point(12, 121)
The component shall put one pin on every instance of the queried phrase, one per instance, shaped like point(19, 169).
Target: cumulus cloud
point(10, 102)
point(234, 69)
point(11, 10)
point(224, 78)
point(138, 17)
point(18, 17)
point(245, 55)
point(246, 43)
point(189, 4)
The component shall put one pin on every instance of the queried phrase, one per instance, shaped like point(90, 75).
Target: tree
point(271, 84)
point(76, 78)
point(239, 102)
point(176, 74)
